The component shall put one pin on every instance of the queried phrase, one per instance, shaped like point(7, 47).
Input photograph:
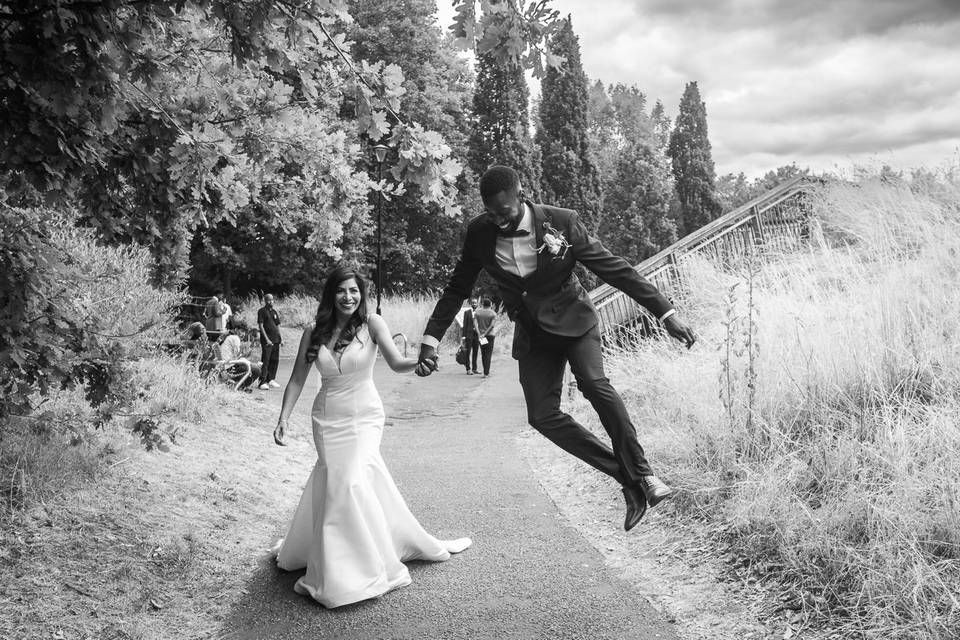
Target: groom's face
point(504, 209)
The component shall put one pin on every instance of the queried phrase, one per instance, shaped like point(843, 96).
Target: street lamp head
point(381, 151)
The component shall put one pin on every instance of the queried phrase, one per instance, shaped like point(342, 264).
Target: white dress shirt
point(519, 255)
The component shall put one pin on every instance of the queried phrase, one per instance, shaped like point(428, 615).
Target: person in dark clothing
point(531, 250)
point(268, 321)
point(486, 321)
point(471, 340)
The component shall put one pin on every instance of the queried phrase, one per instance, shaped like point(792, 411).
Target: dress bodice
point(355, 361)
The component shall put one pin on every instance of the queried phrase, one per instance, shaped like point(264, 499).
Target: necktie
point(518, 233)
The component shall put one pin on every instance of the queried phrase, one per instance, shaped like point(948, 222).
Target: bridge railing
point(776, 220)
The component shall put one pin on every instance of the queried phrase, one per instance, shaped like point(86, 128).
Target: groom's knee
point(595, 387)
point(547, 420)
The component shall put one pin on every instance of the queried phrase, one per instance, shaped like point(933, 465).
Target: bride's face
point(347, 297)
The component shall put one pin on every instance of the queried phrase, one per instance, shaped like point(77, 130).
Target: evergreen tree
point(635, 174)
point(661, 126)
point(501, 123)
point(693, 170)
point(569, 175)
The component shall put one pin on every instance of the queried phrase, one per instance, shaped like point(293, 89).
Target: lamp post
point(380, 151)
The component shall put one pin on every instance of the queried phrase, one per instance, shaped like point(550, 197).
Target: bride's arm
point(381, 335)
point(297, 378)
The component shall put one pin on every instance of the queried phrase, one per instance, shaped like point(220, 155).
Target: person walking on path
point(268, 321)
point(352, 530)
point(486, 320)
point(531, 250)
point(471, 339)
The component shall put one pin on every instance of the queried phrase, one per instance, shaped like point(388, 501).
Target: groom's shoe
point(654, 489)
point(636, 507)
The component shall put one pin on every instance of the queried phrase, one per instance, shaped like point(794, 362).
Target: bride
point(352, 530)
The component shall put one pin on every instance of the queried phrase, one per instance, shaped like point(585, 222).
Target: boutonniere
point(554, 242)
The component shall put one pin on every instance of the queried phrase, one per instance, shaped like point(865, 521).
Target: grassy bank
point(817, 422)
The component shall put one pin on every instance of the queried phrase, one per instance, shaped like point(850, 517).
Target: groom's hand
point(680, 331)
point(427, 362)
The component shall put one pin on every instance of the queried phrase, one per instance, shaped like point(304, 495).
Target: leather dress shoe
point(654, 489)
point(636, 507)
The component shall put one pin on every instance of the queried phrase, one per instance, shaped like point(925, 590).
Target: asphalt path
point(451, 446)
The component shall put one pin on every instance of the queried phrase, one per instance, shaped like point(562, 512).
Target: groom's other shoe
point(636, 507)
point(654, 489)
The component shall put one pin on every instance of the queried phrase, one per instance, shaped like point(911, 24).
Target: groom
point(531, 251)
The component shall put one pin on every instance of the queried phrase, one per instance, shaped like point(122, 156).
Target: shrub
point(72, 312)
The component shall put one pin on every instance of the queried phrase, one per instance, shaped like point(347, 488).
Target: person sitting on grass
point(238, 368)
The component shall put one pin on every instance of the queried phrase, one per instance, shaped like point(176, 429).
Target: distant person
point(470, 339)
point(194, 333)
point(531, 250)
point(213, 318)
point(486, 319)
point(226, 318)
point(352, 531)
point(234, 360)
point(268, 321)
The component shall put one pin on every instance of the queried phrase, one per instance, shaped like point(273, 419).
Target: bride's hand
point(279, 431)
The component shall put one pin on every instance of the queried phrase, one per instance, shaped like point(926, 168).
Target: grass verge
point(817, 423)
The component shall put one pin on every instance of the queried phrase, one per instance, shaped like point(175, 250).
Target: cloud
point(788, 81)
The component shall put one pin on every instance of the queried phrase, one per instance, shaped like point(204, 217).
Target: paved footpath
point(451, 446)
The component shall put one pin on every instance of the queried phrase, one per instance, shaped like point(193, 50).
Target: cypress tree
point(693, 170)
point(569, 173)
point(501, 123)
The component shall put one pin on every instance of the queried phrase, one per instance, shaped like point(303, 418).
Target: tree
point(416, 233)
point(159, 118)
point(693, 170)
point(635, 175)
point(501, 124)
point(569, 175)
point(661, 126)
point(735, 190)
point(438, 85)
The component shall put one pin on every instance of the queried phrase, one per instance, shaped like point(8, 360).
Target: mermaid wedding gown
point(352, 530)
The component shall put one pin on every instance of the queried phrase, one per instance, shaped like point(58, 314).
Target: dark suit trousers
point(473, 348)
point(270, 355)
point(486, 354)
point(541, 376)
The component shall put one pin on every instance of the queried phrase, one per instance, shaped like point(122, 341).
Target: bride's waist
point(340, 387)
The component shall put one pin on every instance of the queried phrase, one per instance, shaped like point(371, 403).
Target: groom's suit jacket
point(551, 297)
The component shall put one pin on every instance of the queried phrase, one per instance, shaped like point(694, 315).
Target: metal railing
point(776, 220)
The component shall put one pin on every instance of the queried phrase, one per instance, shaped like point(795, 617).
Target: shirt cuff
point(430, 341)
point(667, 314)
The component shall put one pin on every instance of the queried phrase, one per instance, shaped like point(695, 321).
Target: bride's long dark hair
point(326, 321)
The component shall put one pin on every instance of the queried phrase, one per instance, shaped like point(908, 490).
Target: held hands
point(680, 331)
point(427, 362)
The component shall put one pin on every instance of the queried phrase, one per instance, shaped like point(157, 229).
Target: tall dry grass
point(818, 420)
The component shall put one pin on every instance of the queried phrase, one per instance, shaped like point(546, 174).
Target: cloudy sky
point(825, 84)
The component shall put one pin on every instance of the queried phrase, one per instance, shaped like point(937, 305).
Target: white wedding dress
point(352, 530)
